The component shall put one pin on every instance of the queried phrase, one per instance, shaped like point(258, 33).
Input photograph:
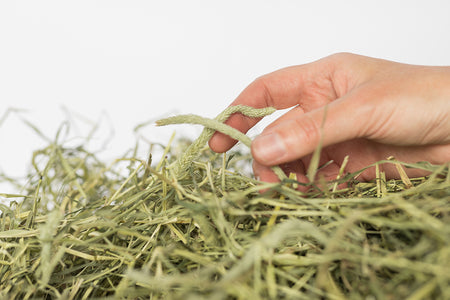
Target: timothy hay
point(83, 229)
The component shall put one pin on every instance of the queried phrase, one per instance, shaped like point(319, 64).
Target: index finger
point(308, 85)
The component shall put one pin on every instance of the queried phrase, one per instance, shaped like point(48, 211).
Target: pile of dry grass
point(82, 229)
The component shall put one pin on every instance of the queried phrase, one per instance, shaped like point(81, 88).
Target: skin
point(374, 109)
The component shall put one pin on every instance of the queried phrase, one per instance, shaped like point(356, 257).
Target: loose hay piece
point(83, 230)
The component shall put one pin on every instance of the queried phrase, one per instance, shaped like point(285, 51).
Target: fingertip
point(264, 173)
point(220, 142)
point(269, 149)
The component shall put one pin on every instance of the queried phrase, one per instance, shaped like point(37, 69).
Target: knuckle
point(261, 85)
point(341, 56)
point(309, 130)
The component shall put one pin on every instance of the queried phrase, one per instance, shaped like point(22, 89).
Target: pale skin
point(374, 109)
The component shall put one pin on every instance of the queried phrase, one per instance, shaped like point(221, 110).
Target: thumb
point(297, 134)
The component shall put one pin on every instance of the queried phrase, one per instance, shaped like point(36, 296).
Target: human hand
point(375, 109)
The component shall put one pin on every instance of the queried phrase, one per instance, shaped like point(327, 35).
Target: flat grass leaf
point(18, 233)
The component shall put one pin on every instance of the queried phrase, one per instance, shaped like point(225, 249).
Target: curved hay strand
point(212, 125)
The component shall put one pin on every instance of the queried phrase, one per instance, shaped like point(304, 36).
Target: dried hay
point(83, 229)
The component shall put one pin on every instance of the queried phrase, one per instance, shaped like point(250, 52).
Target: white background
point(121, 63)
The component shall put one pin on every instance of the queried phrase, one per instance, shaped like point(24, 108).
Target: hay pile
point(84, 229)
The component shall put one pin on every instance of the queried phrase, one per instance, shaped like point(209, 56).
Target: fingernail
point(268, 147)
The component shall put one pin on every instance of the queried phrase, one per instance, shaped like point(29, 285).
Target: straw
point(83, 229)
